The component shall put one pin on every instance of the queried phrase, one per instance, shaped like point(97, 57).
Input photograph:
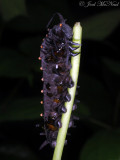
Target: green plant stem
point(75, 61)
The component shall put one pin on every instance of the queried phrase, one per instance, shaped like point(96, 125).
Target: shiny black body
point(56, 51)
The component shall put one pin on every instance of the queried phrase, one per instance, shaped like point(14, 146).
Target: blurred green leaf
point(12, 8)
point(16, 152)
point(93, 95)
point(12, 64)
point(26, 24)
point(37, 20)
point(82, 110)
point(100, 26)
point(103, 146)
point(114, 66)
point(40, 12)
point(31, 47)
point(43, 10)
point(16, 65)
point(21, 109)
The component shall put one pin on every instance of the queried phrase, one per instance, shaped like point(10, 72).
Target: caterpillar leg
point(58, 122)
point(53, 143)
point(68, 97)
point(73, 43)
point(74, 107)
point(75, 118)
point(76, 93)
point(72, 49)
point(42, 134)
point(37, 125)
point(43, 145)
point(63, 109)
point(77, 101)
point(74, 54)
point(78, 86)
point(71, 124)
point(71, 84)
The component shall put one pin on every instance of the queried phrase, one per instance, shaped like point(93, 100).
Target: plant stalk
point(74, 72)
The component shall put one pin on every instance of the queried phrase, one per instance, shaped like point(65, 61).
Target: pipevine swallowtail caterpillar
point(55, 55)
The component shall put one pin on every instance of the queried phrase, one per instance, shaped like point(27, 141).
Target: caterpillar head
point(62, 28)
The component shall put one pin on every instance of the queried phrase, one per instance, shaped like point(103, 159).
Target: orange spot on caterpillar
point(60, 24)
point(41, 68)
point(41, 91)
point(42, 79)
point(41, 46)
point(59, 89)
point(41, 102)
point(56, 100)
point(46, 35)
point(39, 58)
point(41, 114)
point(51, 127)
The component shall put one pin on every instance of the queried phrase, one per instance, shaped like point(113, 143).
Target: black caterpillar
point(55, 54)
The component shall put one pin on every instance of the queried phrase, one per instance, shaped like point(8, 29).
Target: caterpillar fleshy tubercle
point(55, 55)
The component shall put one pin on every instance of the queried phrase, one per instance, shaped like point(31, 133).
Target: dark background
point(22, 28)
